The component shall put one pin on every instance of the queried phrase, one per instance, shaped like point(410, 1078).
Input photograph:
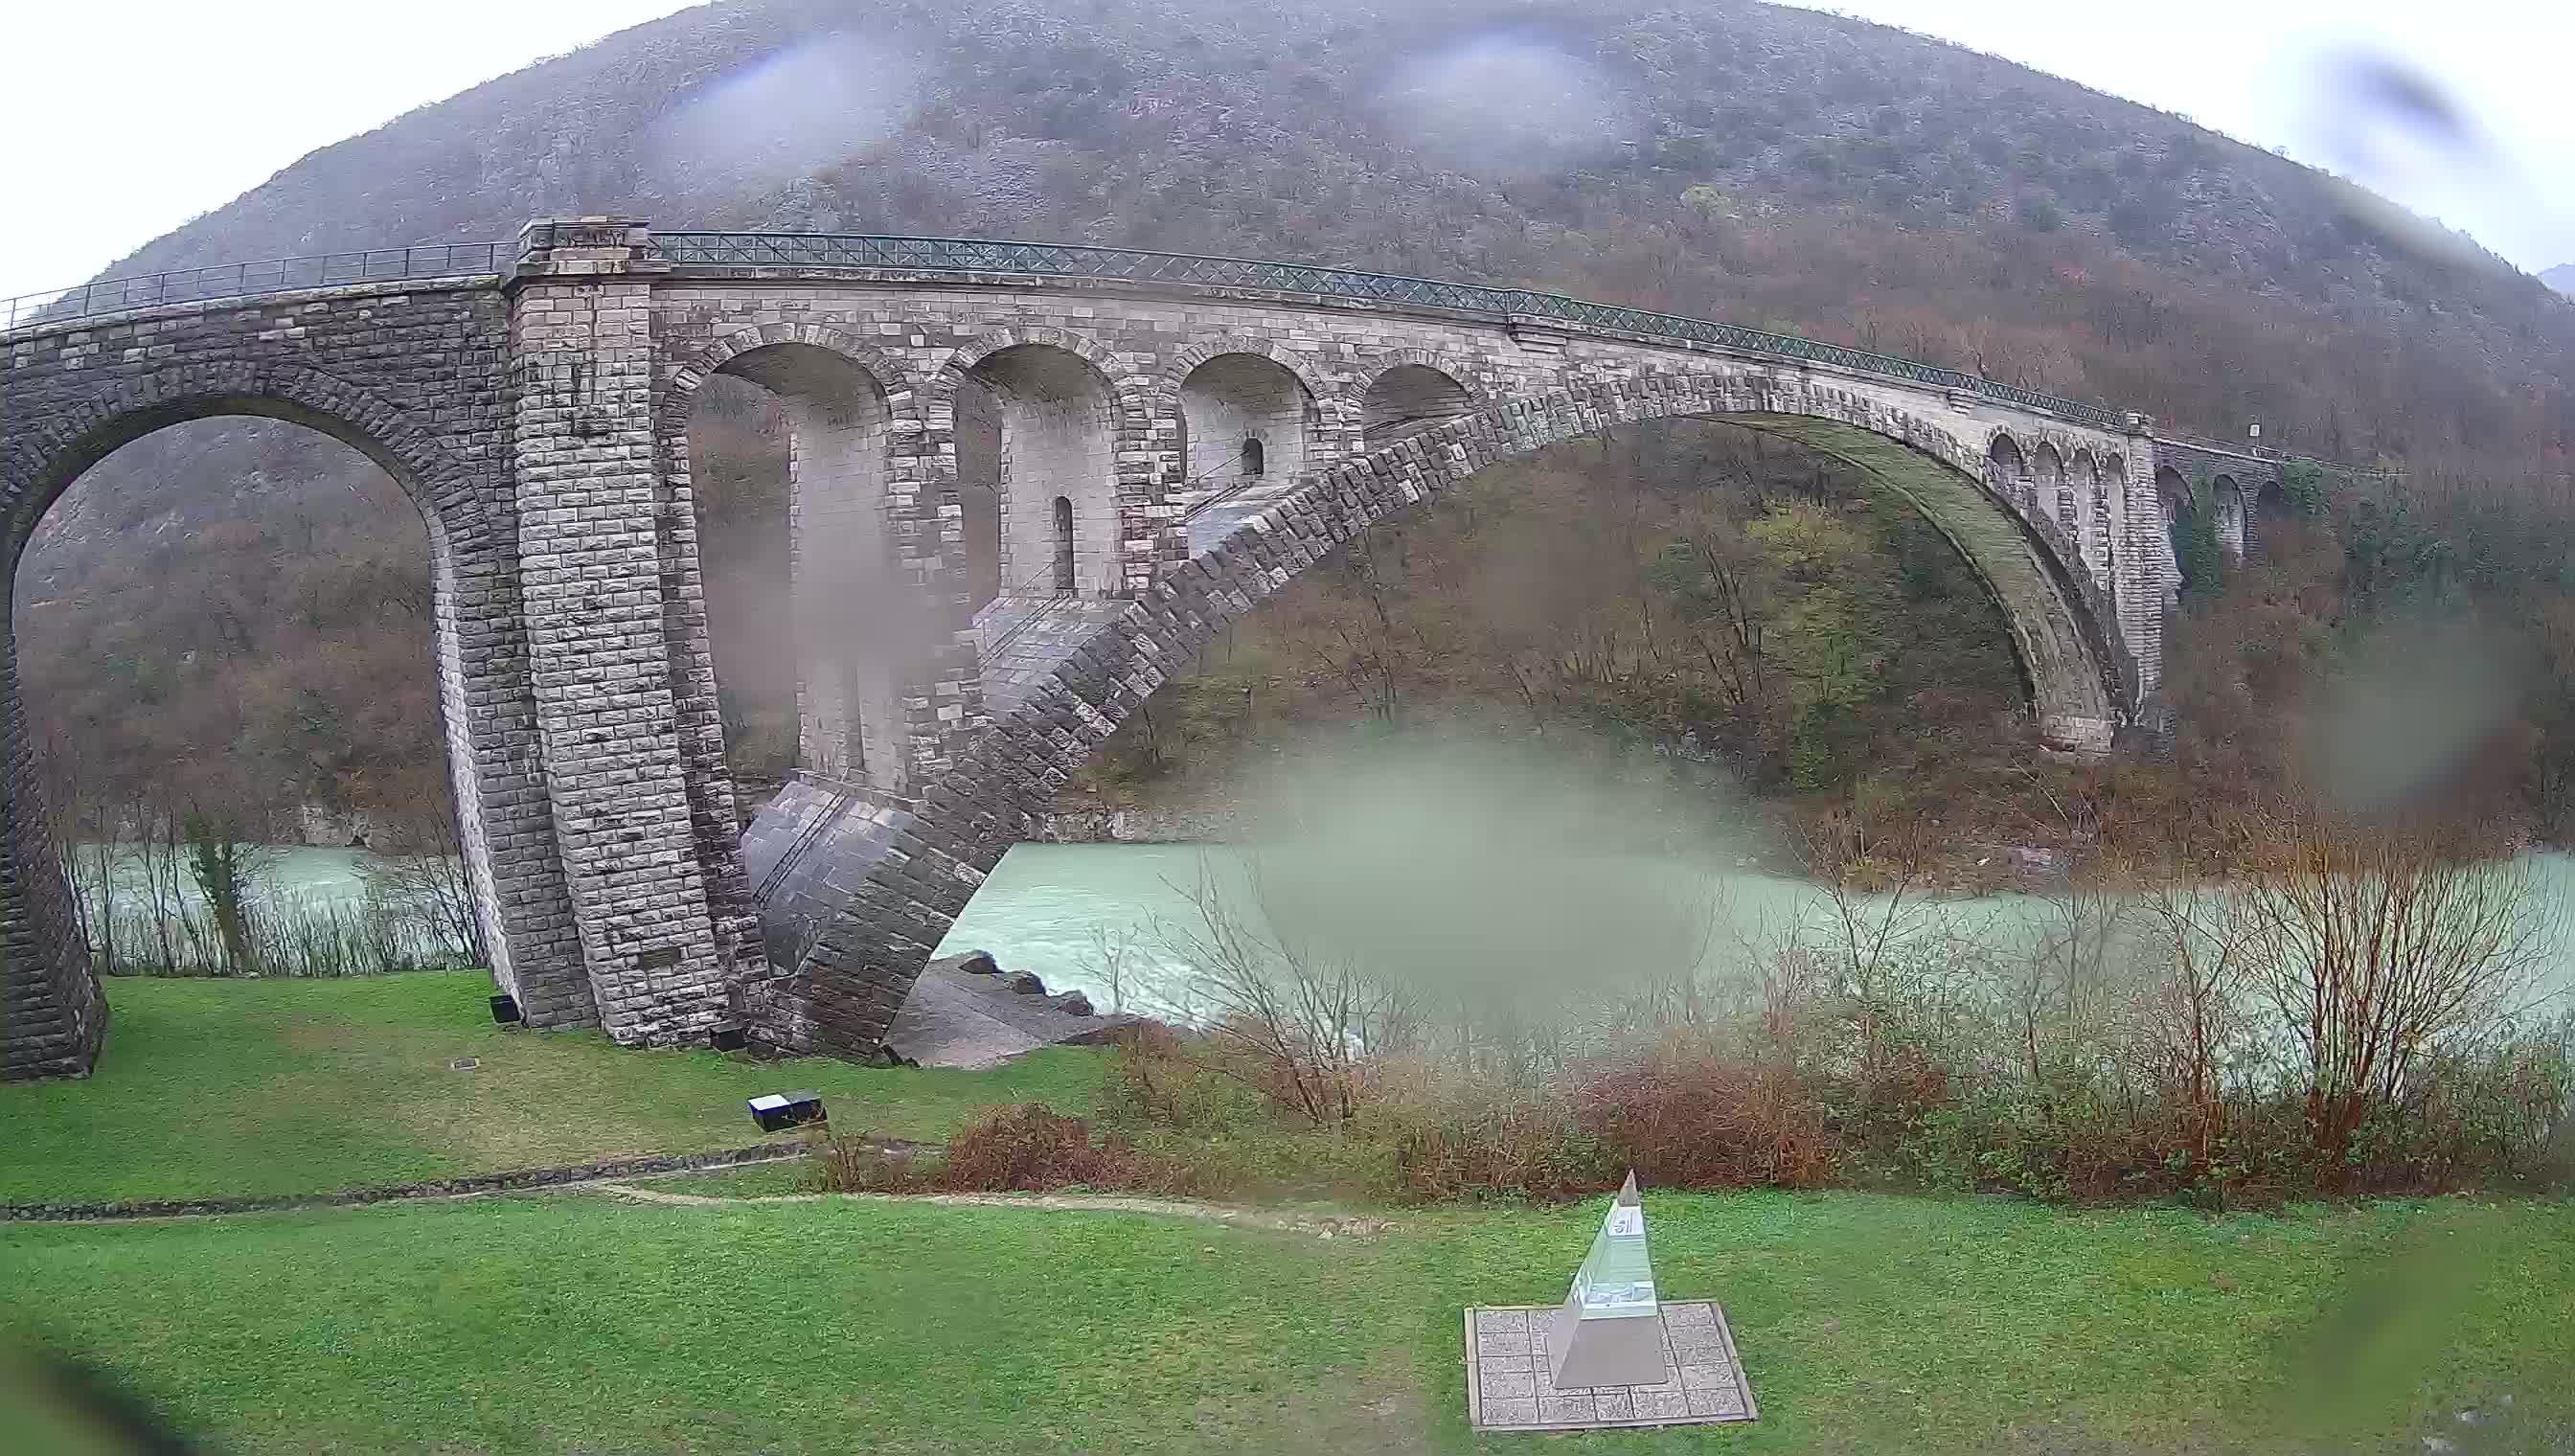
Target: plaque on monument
point(1609, 1329)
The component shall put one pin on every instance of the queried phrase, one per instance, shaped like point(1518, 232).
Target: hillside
point(1732, 158)
point(1674, 157)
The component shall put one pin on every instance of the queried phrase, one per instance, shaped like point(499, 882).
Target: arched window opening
point(2005, 455)
point(1064, 546)
point(1252, 454)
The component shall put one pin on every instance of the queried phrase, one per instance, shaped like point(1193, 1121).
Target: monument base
point(1510, 1384)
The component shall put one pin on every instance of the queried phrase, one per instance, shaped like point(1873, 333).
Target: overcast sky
point(125, 118)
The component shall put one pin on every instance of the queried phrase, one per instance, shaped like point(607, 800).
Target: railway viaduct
point(1177, 438)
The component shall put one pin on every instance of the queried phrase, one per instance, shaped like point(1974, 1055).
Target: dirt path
point(477, 1185)
point(1325, 1225)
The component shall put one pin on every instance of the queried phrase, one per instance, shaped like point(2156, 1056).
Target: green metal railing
point(249, 280)
point(806, 253)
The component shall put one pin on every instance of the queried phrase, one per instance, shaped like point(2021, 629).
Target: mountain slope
point(2560, 278)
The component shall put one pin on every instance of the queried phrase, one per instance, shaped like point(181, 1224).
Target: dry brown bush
point(1684, 1114)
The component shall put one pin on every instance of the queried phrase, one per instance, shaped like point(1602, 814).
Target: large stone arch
point(481, 663)
point(858, 899)
point(44, 463)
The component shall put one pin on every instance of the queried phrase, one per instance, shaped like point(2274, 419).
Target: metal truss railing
point(221, 281)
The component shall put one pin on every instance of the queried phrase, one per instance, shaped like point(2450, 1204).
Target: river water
point(1047, 907)
point(1061, 909)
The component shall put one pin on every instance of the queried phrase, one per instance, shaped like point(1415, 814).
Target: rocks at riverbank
point(967, 1011)
point(1141, 826)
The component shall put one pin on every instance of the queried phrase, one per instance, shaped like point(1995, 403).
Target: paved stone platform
point(1508, 1389)
point(954, 1018)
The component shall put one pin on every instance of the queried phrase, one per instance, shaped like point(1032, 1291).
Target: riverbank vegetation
point(2360, 1010)
point(199, 901)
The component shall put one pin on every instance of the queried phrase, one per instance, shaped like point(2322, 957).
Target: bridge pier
point(620, 669)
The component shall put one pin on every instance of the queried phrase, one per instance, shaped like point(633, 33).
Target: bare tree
point(2213, 937)
point(1875, 951)
point(418, 878)
point(227, 867)
point(156, 856)
point(1114, 950)
point(2386, 943)
point(1304, 1013)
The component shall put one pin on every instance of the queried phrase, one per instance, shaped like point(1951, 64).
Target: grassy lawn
point(289, 1086)
point(572, 1322)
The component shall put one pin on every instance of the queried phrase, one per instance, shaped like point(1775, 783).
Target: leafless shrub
point(2194, 1021)
point(2384, 945)
point(1307, 1012)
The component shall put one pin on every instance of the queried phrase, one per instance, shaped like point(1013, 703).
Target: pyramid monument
point(1609, 1330)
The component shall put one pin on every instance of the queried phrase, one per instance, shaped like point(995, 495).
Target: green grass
point(757, 1180)
point(577, 1322)
point(290, 1086)
point(1867, 1323)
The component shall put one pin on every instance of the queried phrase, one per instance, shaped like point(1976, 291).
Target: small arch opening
point(2230, 516)
point(1242, 416)
point(2180, 512)
point(1052, 432)
point(787, 453)
point(1408, 400)
point(2005, 457)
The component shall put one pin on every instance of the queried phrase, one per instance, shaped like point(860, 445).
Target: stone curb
point(513, 1181)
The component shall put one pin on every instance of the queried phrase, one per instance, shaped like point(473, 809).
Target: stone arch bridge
point(1166, 440)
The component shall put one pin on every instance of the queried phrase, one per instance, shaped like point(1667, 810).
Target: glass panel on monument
point(1616, 1281)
